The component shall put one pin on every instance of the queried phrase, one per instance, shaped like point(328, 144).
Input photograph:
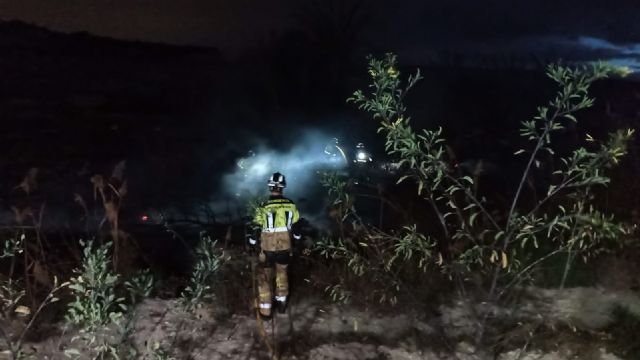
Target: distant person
point(362, 164)
point(275, 219)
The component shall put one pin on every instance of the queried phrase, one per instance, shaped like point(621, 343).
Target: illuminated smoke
point(301, 163)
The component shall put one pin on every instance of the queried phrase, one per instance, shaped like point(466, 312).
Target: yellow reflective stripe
point(279, 201)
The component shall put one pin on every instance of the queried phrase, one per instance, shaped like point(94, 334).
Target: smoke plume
point(301, 162)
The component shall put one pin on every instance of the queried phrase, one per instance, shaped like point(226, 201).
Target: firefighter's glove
point(296, 231)
point(252, 239)
point(253, 235)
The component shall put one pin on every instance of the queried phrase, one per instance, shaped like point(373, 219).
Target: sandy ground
point(320, 330)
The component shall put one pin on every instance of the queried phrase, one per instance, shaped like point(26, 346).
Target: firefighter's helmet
point(277, 180)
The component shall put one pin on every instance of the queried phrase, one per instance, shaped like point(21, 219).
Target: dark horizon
point(239, 26)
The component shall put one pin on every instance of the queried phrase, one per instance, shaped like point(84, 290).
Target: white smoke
point(301, 162)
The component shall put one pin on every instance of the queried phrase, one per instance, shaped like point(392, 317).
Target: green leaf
point(472, 218)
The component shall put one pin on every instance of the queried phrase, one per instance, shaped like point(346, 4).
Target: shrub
point(208, 262)
point(95, 301)
point(96, 306)
point(140, 286)
point(502, 251)
point(10, 296)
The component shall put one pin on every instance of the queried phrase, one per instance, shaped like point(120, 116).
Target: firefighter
point(362, 155)
point(362, 161)
point(275, 220)
point(334, 154)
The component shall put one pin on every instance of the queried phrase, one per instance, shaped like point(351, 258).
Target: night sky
point(405, 26)
point(276, 76)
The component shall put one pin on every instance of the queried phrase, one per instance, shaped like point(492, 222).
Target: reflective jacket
point(278, 214)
